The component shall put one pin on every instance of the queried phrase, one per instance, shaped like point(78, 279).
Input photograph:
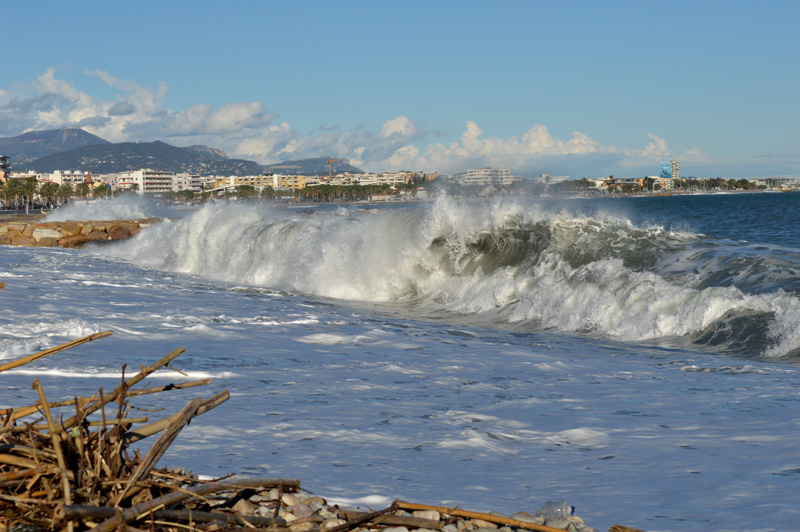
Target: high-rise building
point(670, 169)
point(3, 166)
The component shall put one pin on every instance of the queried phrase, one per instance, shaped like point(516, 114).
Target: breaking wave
point(506, 263)
point(124, 207)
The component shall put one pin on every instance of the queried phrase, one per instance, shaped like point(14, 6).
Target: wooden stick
point(148, 507)
point(140, 433)
point(477, 515)
point(364, 519)
point(53, 350)
point(77, 511)
point(123, 421)
point(161, 445)
point(56, 436)
point(97, 405)
point(396, 520)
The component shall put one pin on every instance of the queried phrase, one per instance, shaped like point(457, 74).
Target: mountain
point(75, 149)
point(119, 157)
point(35, 144)
point(317, 166)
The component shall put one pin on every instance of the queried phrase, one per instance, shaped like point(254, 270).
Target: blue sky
point(569, 88)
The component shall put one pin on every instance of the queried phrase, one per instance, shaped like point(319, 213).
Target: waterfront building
point(547, 179)
point(3, 168)
point(146, 181)
point(486, 177)
point(67, 177)
point(292, 182)
point(187, 181)
point(670, 169)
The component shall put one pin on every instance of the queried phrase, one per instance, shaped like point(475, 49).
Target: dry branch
point(477, 515)
point(53, 350)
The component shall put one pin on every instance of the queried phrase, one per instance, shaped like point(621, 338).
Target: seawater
point(635, 356)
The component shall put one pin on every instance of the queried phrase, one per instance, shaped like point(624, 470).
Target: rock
point(525, 517)
point(315, 500)
point(47, 242)
point(480, 523)
point(289, 500)
point(428, 514)
point(302, 527)
point(301, 511)
point(74, 241)
point(118, 232)
point(557, 522)
point(97, 235)
point(40, 233)
point(244, 507)
point(449, 528)
point(23, 241)
point(330, 523)
point(396, 529)
point(70, 229)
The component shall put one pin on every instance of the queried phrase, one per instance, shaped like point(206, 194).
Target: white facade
point(187, 181)
point(146, 181)
point(486, 177)
point(72, 177)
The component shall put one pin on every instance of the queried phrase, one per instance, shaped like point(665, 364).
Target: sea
point(637, 357)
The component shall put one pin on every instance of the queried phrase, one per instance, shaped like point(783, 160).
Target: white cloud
point(247, 130)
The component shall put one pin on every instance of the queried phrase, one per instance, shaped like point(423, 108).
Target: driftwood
point(395, 520)
point(53, 350)
point(47, 467)
point(79, 475)
point(477, 515)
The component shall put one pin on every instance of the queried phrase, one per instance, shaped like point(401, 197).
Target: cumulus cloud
point(248, 130)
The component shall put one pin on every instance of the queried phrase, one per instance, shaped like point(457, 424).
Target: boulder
point(74, 241)
point(42, 232)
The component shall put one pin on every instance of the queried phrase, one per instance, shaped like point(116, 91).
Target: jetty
point(69, 234)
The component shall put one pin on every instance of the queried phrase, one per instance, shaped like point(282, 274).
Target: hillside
point(109, 158)
point(315, 166)
point(75, 149)
point(35, 144)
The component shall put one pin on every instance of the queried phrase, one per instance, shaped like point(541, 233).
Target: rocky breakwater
point(70, 234)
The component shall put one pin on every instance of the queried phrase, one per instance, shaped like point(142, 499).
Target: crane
point(330, 166)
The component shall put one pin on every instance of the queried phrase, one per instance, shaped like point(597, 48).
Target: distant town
point(30, 189)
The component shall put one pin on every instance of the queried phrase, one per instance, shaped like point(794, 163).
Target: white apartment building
point(186, 181)
point(146, 181)
point(71, 177)
point(486, 177)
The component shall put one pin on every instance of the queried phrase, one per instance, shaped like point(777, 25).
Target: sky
point(577, 88)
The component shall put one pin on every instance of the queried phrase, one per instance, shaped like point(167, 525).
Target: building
point(486, 177)
point(547, 179)
point(71, 177)
point(293, 182)
point(146, 181)
point(3, 168)
point(670, 169)
point(186, 181)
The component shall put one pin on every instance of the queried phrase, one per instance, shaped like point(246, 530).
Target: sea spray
point(503, 263)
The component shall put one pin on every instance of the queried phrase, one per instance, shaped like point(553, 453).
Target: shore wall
point(69, 234)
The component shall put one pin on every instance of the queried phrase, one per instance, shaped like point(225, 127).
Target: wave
point(514, 264)
point(124, 207)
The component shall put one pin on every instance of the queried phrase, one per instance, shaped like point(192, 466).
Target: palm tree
point(65, 191)
point(29, 188)
point(83, 189)
point(102, 190)
point(12, 190)
point(48, 191)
